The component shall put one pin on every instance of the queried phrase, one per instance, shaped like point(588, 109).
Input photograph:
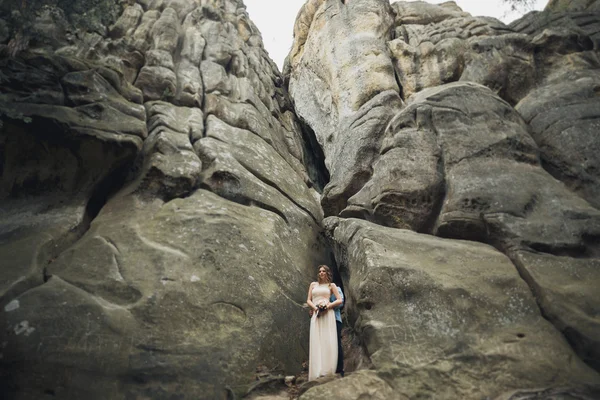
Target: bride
point(323, 352)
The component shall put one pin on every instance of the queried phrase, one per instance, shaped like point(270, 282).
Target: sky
point(275, 19)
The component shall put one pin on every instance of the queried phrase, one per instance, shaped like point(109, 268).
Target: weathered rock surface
point(437, 316)
point(360, 385)
point(430, 45)
point(493, 140)
point(343, 85)
point(565, 289)
point(61, 150)
point(158, 225)
point(160, 220)
point(563, 115)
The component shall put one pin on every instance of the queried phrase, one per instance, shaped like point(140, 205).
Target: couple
point(325, 299)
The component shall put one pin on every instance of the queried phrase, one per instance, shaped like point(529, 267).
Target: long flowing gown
point(323, 351)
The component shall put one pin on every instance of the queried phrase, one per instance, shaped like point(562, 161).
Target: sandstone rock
point(268, 387)
point(189, 80)
point(573, 5)
point(170, 167)
point(86, 87)
point(305, 386)
point(427, 65)
point(559, 14)
point(423, 13)
point(477, 173)
point(563, 118)
point(359, 385)
point(348, 115)
point(174, 266)
point(215, 78)
point(433, 44)
point(457, 311)
point(462, 139)
point(585, 393)
point(139, 39)
point(458, 161)
point(62, 154)
point(74, 333)
point(244, 116)
point(354, 153)
point(263, 163)
point(506, 64)
point(565, 289)
point(128, 21)
point(157, 79)
point(407, 177)
point(151, 284)
point(465, 138)
point(159, 222)
point(567, 69)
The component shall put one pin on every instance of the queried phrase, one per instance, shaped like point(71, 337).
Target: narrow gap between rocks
point(400, 87)
point(105, 189)
point(314, 158)
point(355, 356)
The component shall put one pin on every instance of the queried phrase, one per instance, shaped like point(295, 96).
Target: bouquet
point(321, 308)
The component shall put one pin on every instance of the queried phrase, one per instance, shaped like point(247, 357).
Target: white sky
point(275, 19)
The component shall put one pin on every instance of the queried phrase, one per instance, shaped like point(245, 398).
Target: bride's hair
point(329, 274)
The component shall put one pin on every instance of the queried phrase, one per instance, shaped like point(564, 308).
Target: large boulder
point(184, 297)
point(445, 318)
point(565, 289)
point(463, 142)
point(538, 63)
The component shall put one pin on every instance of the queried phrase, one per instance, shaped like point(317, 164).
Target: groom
point(338, 325)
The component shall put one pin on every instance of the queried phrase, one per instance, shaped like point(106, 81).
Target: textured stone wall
point(158, 226)
point(435, 122)
point(161, 211)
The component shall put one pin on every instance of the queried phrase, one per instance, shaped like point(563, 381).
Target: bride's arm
point(309, 298)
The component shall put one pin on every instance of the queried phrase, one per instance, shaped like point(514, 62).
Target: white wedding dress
point(323, 352)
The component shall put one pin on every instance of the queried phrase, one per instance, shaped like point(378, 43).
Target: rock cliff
point(159, 227)
point(435, 122)
point(166, 195)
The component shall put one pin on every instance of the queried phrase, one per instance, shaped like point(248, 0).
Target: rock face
point(342, 72)
point(158, 226)
point(489, 135)
point(161, 214)
point(454, 310)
